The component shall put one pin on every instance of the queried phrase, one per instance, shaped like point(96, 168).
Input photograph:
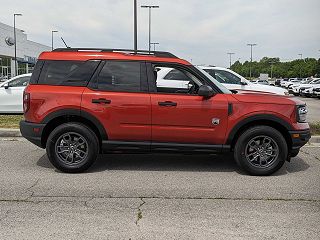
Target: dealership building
point(27, 51)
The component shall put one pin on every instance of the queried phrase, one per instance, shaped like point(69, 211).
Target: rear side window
point(120, 77)
point(67, 73)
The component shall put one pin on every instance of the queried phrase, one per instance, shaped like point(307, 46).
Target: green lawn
point(12, 121)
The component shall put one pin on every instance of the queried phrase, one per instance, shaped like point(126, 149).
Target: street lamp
point(53, 31)
point(154, 45)
point(230, 55)
point(300, 54)
point(15, 42)
point(135, 26)
point(251, 45)
point(150, 7)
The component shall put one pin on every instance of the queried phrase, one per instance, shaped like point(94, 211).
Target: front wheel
point(261, 150)
point(72, 147)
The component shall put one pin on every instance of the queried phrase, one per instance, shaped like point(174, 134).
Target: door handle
point(101, 100)
point(167, 104)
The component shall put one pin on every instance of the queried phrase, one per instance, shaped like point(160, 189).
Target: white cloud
point(200, 30)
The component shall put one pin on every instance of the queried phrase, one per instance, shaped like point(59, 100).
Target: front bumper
point(32, 132)
point(299, 138)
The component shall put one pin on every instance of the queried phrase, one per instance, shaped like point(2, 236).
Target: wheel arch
point(262, 119)
point(56, 118)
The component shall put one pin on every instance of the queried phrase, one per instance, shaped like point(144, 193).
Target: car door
point(185, 117)
point(118, 97)
point(11, 93)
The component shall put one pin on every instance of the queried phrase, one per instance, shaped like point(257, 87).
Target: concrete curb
point(8, 132)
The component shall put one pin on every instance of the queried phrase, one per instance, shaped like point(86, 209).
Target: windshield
point(219, 85)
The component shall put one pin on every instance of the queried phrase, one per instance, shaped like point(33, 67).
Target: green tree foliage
point(306, 67)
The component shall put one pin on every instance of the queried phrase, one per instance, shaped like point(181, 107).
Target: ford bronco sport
point(82, 102)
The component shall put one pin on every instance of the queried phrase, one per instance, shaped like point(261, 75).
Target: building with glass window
point(27, 52)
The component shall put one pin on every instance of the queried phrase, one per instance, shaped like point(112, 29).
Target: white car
point(234, 81)
point(11, 93)
point(263, 82)
point(291, 81)
point(299, 88)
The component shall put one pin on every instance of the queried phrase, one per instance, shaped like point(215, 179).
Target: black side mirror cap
point(243, 83)
point(6, 86)
point(205, 91)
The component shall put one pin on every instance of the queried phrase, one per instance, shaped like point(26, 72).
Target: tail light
point(26, 102)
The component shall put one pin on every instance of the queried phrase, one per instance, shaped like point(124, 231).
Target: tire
point(253, 157)
point(78, 146)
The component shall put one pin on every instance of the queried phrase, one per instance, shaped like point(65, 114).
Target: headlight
point(302, 113)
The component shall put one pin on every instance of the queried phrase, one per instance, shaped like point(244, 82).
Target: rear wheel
point(261, 150)
point(72, 147)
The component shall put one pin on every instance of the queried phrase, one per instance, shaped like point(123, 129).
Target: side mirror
point(205, 91)
point(6, 86)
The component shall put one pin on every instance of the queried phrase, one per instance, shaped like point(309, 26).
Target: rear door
point(118, 96)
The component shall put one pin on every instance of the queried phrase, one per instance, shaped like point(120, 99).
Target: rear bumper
point(299, 138)
point(32, 132)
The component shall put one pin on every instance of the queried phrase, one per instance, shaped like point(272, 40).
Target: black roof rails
point(129, 51)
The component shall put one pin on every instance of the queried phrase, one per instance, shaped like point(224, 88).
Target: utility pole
point(53, 31)
point(135, 26)
point(149, 7)
point(251, 45)
point(300, 54)
point(15, 43)
point(230, 55)
point(154, 45)
point(272, 68)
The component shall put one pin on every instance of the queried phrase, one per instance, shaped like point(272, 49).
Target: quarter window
point(120, 77)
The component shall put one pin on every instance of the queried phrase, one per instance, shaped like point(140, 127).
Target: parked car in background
point(291, 81)
point(300, 88)
point(316, 92)
point(234, 81)
point(278, 81)
point(263, 82)
point(11, 92)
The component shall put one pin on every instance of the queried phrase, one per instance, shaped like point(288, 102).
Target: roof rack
point(128, 51)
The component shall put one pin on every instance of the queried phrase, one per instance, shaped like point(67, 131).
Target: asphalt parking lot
point(313, 105)
point(156, 197)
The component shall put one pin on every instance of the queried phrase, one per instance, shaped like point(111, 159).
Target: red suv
point(82, 102)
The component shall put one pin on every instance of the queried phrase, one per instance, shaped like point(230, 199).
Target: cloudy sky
point(203, 31)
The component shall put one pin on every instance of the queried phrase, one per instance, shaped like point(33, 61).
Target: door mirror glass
point(205, 91)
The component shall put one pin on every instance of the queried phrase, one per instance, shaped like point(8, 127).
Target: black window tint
point(36, 72)
point(120, 76)
point(68, 73)
point(227, 77)
point(176, 74)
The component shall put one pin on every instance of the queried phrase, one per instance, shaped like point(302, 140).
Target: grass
point(12, 121)
point(315, 128)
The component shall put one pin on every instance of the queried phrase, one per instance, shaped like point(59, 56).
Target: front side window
point(120, 77)
point(20, 82)
point(177, 80)
point(74, 73)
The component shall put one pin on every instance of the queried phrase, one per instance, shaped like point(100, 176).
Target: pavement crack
point(139, 212)
point(30, 189)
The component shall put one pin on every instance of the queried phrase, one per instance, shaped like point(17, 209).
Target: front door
point(184, 117)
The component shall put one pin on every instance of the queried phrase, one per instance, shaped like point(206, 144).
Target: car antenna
point(64, 42)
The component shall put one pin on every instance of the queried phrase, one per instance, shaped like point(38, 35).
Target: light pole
point(154, 45)
point(251, 45)
point(150, 7)
point(230, 55)
point(271, 68)
point(15, 42)
point(300, 54)
point(53, 31)
point(135, 26)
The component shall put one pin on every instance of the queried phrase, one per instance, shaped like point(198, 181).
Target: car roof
point(110, 54)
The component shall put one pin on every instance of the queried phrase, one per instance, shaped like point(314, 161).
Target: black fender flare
point(79, 113)
point(256, 118)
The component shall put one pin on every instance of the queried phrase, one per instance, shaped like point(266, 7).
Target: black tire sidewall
point(239, 151)
point(84, 131)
